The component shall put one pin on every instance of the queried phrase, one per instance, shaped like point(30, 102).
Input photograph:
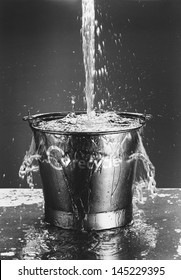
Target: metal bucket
point(87, 177)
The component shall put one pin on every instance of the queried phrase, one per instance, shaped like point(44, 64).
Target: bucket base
point(98, 221)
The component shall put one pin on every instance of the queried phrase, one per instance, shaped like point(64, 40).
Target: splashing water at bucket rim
point(140, 119)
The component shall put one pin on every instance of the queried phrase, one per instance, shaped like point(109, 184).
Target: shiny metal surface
point(154, 235)
point(88, 176)
point(97, 221)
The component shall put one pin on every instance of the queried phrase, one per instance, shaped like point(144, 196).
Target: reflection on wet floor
point(47, 242)
point(155, 233)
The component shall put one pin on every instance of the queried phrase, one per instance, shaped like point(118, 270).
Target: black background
point(41, 67)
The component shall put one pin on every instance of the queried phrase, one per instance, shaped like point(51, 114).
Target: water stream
point(88, 47)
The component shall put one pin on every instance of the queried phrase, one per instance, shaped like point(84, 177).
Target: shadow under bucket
point(87, 177)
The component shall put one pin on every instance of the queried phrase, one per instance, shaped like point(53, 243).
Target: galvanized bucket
point(87, 177)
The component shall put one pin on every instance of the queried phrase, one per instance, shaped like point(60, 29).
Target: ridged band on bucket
point(97, 221)
point(106, 220)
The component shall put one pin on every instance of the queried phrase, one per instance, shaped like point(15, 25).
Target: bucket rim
point(32, 119)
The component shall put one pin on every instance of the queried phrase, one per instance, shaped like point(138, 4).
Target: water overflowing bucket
point(87, 176)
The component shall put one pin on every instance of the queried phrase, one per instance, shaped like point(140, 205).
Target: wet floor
point(155, 233)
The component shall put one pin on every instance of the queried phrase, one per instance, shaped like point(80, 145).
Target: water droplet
point(98, 31)
point(99, 49)
point(102, 71)
point(102, 102)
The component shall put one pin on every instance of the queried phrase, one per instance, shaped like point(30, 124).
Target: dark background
point(41, 67)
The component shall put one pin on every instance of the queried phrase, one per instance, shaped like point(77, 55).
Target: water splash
point(28, 165)
point(144, 174)
point(106, 121)
point(35, 245)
